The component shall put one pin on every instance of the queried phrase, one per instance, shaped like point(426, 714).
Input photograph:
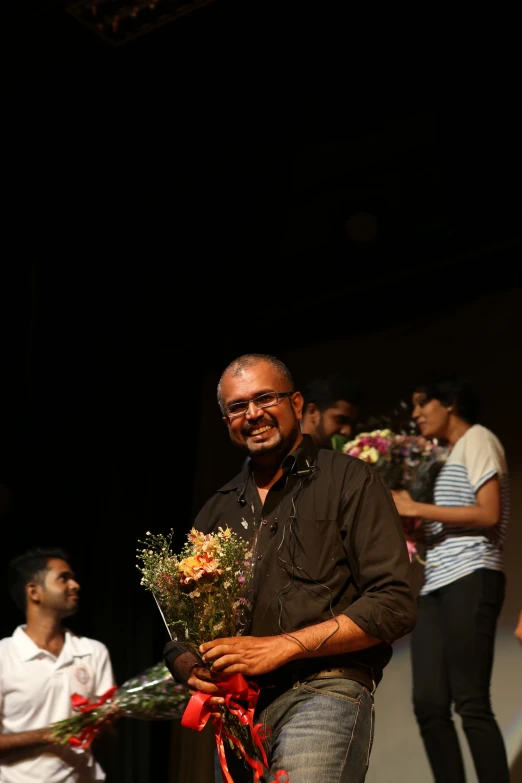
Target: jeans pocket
point(335, 687)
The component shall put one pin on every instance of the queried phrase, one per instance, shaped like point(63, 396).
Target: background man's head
point(41, 578)
point(331, 407)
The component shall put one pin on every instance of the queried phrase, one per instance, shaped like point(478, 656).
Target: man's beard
point(323, 441)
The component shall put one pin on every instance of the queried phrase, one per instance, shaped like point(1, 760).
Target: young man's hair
point(237, 366)
point(452, 389)
point(326, 390)
point(30, 566)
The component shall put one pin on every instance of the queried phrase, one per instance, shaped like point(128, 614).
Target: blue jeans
point(318, 732)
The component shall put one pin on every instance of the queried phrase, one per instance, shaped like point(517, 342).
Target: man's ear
point(298, 402)
point(313, 412)
point(33, 592)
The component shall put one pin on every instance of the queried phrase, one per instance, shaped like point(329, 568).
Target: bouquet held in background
point(152, 695)
point(202, 594)
point(405, 461)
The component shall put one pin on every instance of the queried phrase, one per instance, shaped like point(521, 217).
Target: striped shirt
point(452, 551)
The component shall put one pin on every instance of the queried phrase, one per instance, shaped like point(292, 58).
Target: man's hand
point(247, 655)
point(202, 679)
point(47, 736)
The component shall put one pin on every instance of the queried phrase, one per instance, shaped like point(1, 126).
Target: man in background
point(331, 408)
point(41, 665)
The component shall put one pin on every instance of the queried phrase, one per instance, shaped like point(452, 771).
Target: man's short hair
point(326, 390)
point(239, 365)
point(30, 566)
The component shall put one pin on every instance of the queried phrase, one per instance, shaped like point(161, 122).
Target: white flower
point(369, 454)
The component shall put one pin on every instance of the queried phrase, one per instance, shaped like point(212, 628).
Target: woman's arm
point(484, 513)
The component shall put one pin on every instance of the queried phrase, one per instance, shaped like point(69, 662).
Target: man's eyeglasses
point(262, 401)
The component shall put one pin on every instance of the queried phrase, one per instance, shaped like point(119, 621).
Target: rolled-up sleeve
point(376, 549)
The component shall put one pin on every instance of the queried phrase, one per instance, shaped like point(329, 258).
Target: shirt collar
point(74, 646)
point(298, 460)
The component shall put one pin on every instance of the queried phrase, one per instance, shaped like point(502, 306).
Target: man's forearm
point(180, 661)
point(24, 739)
point(332, 637)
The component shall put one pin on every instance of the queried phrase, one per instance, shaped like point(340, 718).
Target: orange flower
point(198, 567)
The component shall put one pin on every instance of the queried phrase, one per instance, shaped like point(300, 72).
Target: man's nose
point(253, 412)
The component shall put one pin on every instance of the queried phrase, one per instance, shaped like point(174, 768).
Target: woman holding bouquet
point(464, 532)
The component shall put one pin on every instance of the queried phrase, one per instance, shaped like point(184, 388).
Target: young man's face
point(60, 590)
point(337, 420)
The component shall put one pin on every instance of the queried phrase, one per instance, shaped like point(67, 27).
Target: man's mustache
point(248, 428)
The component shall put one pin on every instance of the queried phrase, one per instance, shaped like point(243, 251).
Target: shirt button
point(264, 522)
point(259, 557)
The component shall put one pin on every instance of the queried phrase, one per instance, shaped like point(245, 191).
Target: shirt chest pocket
point(312, 549)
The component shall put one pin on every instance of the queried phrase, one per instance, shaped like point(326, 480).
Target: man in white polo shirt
point(41, 665)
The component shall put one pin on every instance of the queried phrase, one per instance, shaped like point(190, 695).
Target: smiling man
point(331, 589)
point(41, 665)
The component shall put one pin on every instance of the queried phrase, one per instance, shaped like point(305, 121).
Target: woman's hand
point(406, 506)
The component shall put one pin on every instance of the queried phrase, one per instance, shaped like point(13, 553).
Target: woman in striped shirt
point(464, 583)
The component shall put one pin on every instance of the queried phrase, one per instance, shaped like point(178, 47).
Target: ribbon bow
point(82, 704)
point(235, 688)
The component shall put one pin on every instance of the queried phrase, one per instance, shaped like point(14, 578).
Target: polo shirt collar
point(74, 646)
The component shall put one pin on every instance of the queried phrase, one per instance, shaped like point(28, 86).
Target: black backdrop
point(149, 193)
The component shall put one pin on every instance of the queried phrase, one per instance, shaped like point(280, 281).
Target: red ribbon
point(235, 688)
point(82, 704)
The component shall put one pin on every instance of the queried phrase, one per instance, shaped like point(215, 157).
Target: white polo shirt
point(35, 691)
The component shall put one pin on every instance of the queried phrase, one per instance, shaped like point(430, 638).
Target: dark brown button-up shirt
point(328, 540)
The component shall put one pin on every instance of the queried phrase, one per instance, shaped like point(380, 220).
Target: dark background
point(183, 198)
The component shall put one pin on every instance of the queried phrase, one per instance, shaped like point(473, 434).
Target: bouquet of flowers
point(152, 695)
point(202, 594)
point(405, 461)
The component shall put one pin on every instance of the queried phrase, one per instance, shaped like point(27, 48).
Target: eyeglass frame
point(279, 396)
